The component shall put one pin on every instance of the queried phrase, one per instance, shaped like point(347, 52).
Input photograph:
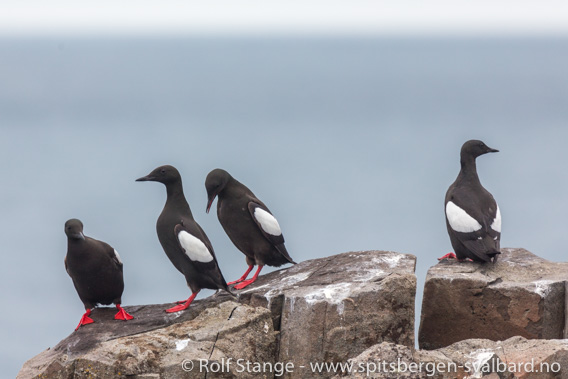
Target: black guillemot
point(248, 222)
point(473, 218)
point(183, 240)
point(96, 270)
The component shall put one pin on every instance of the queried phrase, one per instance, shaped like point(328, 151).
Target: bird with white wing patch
point(473, 218)
point(248, 223)
point(183, 240)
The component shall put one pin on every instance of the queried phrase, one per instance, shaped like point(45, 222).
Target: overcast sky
point(302, 17)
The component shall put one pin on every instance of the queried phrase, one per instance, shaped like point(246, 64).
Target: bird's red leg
point(453, 256)
point(183, 306)
point(85, 319)
point(122, 314)
point(448, 256)
point(242, 277)
point(242, 285)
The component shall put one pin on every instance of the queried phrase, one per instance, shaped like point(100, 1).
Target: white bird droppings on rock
point(392, 260)
point(333, 293)
point(542, 287)
point(479, 359)
point(182, 344)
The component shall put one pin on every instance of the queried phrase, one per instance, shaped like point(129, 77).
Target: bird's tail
point(232, 294)
point(282, 250)
point(227, 290)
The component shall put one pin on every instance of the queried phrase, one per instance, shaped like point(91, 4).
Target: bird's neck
point(176, 198)
point(76, 245)
point(468, 169)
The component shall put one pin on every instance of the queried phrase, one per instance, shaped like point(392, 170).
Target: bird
point(249, 224)
point(183, 240)
point(96, 271)
point(473, 218)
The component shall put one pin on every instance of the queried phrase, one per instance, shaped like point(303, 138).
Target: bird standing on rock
point(96, 270)
point(183, 240)
point(248, 223)
point(473, 217)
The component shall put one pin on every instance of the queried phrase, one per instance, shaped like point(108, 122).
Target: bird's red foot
point(249, 269)
point(85, 319)
point(448, 256)
point(178, 308)
point(122, 314)
point(242, 285)
point(183, 305)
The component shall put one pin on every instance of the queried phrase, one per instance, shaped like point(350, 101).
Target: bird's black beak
point(78, 236)
point(146, 178)
point(492, 150)
point(210, 201)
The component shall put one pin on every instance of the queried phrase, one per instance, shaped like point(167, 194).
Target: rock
point(516, 357)
point(160, 345)
point(385, 360)
point(332, 309)
point(328, 309)
point(520, 295)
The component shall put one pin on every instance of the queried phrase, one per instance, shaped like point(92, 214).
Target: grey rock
point(332, 309)
point(521, 295)
point(209, 332)
point(516, 357)
point(323, 310)
point(385, 360)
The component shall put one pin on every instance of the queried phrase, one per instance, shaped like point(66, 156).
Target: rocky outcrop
point(334, 308)
point(520, 295)
point(160, 344)
point(516, 357)
point(349, 315)
point(329, 309)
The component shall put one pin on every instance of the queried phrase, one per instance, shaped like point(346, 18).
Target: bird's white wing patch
point(117, 256)
point(459, 220)
point(496, 225)
point(267, 222)
point(194, 248)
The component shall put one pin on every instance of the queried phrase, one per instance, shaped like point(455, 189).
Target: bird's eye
point(163, 171)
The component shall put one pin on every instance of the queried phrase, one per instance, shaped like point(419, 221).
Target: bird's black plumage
point(182, 239)
point(95, 268)
point(473, 218)
point(247, 221)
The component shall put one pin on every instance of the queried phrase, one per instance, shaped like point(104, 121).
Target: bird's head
point(163, 174)
point(475, 148)
point(74, 229)
point(215, 183)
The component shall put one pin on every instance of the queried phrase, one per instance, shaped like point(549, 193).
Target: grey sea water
point(351, 142)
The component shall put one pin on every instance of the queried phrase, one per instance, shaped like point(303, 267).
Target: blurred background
point(345, 118)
